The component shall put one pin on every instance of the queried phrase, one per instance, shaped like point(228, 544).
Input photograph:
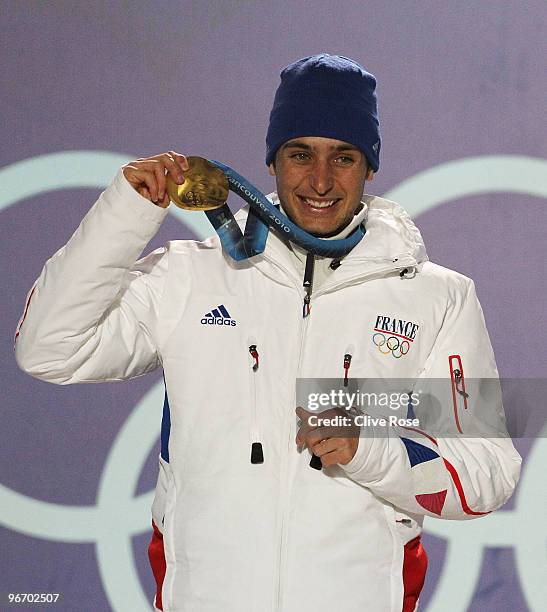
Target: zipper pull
point(347, 363)
point(308, 283)
point(257, 454)
point(458, 385)
point(459, 380)
point(254, 355)
point(315, 462)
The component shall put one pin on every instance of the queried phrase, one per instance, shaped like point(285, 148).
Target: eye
point(300, 156)
point(344, 160)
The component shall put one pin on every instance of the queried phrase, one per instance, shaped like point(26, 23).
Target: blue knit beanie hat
point(330, 96)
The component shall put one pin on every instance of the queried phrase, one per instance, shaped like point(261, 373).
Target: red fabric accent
point(433, 502)
point(25, 313)
point(156, 556)
point(414, 569)
point(390, 333)
point(454, 383)
point(459, 487)
point(347, 365)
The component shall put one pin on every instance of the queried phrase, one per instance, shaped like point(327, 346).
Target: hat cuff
point(366, 148)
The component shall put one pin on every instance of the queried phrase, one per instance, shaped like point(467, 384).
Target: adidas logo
point(218, 316)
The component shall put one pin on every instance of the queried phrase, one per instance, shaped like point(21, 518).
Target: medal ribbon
point(263, 215)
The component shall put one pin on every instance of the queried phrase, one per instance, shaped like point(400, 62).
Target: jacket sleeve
point(459, 463)
point(93, 313)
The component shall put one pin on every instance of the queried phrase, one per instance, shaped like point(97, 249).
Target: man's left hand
point(334, 443)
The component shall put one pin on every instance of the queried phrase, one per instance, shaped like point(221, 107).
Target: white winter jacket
point(277, 535)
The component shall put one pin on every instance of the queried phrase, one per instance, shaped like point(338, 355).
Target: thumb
point(303, 414)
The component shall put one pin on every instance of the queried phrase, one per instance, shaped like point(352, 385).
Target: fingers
point(311, 437)
point(312, 430)
point(165, 202)
point(333, 458)
point(332, 435)
point(305, 427)
point(303, 414)
point(144, 192)
point(142, 180)
point(175, 165)
point(158, 168)
point(322, 447)
point(180, 160)
point(148, 175)
point(336, 451)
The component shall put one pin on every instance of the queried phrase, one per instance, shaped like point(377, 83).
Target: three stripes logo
point(218, 316)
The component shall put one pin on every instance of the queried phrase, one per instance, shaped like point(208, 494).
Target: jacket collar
point(392, 242)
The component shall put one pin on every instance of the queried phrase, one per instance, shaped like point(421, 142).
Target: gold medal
point(205, 186)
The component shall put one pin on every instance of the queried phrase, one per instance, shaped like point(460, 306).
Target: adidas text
point(217, 321)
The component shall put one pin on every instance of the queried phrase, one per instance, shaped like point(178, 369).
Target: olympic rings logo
point(391, 345)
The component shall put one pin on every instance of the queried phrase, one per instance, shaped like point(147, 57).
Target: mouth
point(318, 204)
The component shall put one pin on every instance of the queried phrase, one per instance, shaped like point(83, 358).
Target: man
point(241, 521)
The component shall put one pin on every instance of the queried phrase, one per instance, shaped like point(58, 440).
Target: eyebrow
point(296, 144)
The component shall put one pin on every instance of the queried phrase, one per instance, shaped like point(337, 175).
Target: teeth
point(316, 204)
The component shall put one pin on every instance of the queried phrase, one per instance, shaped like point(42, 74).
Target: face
point(320, 182)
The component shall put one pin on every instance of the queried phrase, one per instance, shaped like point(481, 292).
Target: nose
point(321, 179)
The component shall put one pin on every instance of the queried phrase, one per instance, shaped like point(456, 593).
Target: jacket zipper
point(257, 453)
point(308, 283)
point(315, 461)
point(283, 497)
point(457, 380)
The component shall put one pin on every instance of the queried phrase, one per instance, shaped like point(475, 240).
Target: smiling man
point(241, 520)
point(320, 182)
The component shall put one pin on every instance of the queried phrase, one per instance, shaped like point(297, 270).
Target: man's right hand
point(148, 175)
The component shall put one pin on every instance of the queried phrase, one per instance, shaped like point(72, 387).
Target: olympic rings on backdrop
point(391, 345)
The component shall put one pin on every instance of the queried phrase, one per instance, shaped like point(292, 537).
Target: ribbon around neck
point(263, 215)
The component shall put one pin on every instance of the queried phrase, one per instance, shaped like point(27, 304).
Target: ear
point(271, 169)
point(370, 174)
